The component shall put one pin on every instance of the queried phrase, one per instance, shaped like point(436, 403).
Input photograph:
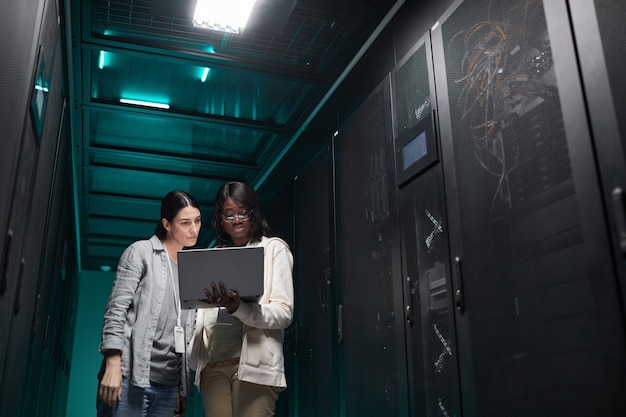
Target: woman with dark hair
point(145, 332)
point(243, 196)
point(240, 367)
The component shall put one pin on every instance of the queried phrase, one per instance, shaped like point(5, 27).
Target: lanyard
point(176, 300)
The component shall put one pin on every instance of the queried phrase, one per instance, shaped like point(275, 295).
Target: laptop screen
point(239, 268)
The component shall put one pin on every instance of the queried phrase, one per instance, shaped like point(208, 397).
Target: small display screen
point(414, 150)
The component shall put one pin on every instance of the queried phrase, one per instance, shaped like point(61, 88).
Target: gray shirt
point(165, 362)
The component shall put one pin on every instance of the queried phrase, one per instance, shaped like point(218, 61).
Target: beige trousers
point(225, 396)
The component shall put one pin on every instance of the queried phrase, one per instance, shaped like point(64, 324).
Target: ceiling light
point(145, 103)
point(224, 15)
point(101, 60)
point(205, 74)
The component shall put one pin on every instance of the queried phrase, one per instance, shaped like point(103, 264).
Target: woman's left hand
point(222, 297)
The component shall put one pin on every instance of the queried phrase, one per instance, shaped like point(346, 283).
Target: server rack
point(38, 291)
point(429, 313)
point(316, 386)
point(366, 251)
point(541, 331)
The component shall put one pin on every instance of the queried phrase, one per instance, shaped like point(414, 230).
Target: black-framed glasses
point(242, 215)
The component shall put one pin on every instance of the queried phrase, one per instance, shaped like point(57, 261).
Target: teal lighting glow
point(228, 16)
point(41, 88)
point(145, 103)
point(101, 60)
point(205, 74)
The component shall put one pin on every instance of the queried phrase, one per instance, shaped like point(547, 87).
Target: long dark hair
point(171, 204)
point(243, 195)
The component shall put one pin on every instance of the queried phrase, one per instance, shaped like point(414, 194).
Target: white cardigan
point(261, 361)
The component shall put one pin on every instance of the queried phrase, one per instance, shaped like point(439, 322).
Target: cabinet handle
point(340, 323)
point(46, 333)
point(5, 262)
point(36, 316)
point(407, 315)
point(458, 286)
point(619, 208)
point(17, 301)
point(408, 310)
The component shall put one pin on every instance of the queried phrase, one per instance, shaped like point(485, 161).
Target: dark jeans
point(157, 400)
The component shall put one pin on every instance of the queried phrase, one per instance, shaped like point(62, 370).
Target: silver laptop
point(239, 268)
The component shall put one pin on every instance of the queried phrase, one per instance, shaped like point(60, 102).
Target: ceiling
point(263, 87)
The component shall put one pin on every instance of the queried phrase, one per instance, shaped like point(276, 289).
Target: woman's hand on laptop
point(223, 297)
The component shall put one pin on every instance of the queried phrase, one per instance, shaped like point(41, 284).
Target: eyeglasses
point(242, 215)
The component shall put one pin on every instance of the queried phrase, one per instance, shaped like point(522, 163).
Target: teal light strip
point(145, 103)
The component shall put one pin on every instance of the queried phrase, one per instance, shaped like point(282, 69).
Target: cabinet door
point(372, 362)
point(12, 301)
point(429, 317)
point(540, 332)
point(317, 390)
point(600, 38)
point(53, 278)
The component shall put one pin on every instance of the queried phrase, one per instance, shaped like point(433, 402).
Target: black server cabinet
point(372, 360)
point(601, 43)
point(279, 211)
point(38, 194)
point(429, 314)
point(53, 310)
point(19, 26)
point(39, 301)
point(539, 326)
point(316, 387)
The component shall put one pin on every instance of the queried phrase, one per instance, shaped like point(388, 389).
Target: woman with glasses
point(240, 366)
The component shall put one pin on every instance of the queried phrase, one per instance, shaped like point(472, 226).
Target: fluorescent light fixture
point(145, 103)
point(205, 74)
point(101, 60)
point(228, 16)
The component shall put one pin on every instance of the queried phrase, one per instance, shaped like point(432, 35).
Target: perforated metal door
point(540, 328)
point(431, 342)
point(317, 383)
point(371, 340)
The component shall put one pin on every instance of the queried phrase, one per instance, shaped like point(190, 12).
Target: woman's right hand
point(110, 389)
